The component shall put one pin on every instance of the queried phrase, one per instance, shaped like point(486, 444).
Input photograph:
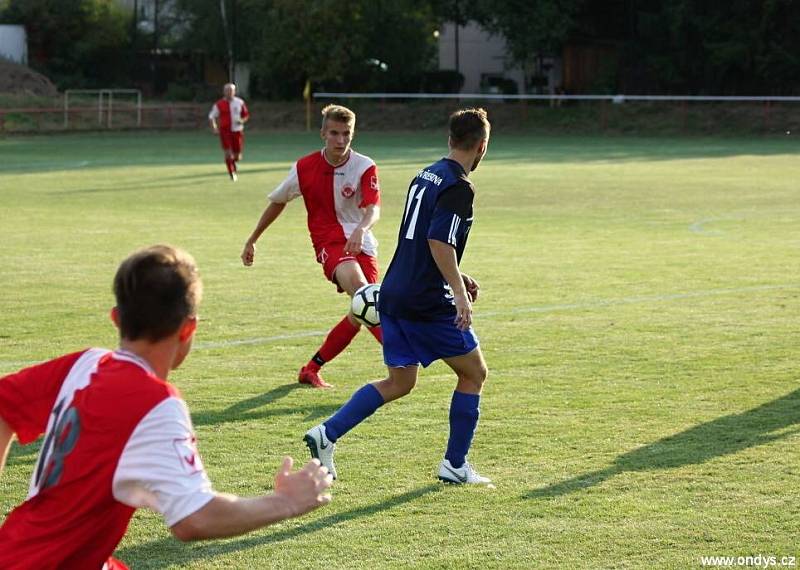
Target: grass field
point(639, 315)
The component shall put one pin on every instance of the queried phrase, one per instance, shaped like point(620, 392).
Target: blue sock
point(359, 407)
point(464, 413)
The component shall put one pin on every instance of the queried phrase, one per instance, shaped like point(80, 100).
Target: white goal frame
point(105, 104)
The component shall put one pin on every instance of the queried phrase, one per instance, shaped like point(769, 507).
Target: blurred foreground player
point(118, 436)
point(342, 197)
point(425, 303)
point(227, 119)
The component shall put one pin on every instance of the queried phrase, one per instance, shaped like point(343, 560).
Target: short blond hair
point(338, 113)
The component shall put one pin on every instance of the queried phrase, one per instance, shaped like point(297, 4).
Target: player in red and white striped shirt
point(119, 437)
point(341, 193)
point(227, 118)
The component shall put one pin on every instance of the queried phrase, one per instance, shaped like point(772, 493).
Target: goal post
point(104, 101)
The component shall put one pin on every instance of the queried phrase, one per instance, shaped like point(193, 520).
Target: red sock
point(229, 164)
point(336, 341)
point(377, 332)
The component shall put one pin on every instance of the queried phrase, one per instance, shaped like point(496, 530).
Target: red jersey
point(229, 114)
point(334, 196)
point(117, 438)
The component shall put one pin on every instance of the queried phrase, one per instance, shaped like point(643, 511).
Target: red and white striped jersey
point(334, 196)
point(116, 438)
point(230, 114)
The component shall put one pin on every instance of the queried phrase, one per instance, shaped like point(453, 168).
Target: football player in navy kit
point(426, 303)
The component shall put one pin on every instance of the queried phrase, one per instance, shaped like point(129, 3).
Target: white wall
point(478, 52)
point(14, 43)
point(481, 53)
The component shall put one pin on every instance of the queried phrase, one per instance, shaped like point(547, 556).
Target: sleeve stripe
point(454, 223)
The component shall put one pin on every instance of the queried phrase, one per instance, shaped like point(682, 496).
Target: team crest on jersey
point(348, 191)
point(373, 183)
point(186, 448)
point(322, 256)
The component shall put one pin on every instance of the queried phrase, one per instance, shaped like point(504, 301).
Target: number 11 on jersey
point(413, 196)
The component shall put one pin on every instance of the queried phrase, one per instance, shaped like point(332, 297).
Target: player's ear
point(115, 316)
point(188, 328)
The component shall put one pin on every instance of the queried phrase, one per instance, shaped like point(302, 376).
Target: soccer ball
point(365, 305)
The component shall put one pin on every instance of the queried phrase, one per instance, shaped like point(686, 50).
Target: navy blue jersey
point(438, 206)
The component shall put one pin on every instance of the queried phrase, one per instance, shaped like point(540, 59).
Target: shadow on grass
point(250, 409)
point(178, 552)
point(24, 453)
point(722, 436)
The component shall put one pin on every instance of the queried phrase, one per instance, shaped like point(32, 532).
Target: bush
point(442, 81)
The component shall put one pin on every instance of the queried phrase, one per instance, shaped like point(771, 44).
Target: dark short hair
point(468, 127)
point(156, 289)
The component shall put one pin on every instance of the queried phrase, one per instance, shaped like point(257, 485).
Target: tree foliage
point(74, 42)
point(662, 46)
point(531, 27)
point(646, 46)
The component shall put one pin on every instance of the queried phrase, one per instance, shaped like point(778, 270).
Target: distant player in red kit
point(117, 436)
point(227, 118)
point(342, 197)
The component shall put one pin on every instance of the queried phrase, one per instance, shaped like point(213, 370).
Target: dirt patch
point(16, 79)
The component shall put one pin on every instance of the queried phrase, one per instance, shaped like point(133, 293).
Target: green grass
point(639, 310)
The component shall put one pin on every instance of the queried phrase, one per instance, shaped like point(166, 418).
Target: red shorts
point(232, 140)
point(331, 255)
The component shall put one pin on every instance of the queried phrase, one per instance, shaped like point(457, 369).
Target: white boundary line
point(522, 310)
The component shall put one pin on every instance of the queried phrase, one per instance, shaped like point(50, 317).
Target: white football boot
point(321, 447)
point(465, 474)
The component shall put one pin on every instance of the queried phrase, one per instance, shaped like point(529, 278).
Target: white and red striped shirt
point(334, 196)
point(116, 438)
point(231, 114)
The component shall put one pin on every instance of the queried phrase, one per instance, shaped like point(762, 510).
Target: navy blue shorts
point(410, 343)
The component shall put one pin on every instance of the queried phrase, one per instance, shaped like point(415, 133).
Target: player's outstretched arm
point(6, 435)
point(295, 494)
point(269, 215)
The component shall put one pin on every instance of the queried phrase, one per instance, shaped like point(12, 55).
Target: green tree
point(531, 27)
point(358, 45)
point(75, 42)
point(737, 47)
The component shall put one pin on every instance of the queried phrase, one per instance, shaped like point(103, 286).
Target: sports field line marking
point(259, 340)
point(523, 310)
point(12, 365)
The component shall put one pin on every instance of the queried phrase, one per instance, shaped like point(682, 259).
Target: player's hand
point(303, 490)
point(473, 288)
point(463, 312)
point(355, 242)
point(248, 253)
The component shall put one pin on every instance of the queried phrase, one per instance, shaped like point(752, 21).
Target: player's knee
point(352, 320)
point(403, 387)
point(476, 378)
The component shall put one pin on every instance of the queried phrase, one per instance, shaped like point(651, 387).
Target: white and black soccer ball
point(365, 304)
